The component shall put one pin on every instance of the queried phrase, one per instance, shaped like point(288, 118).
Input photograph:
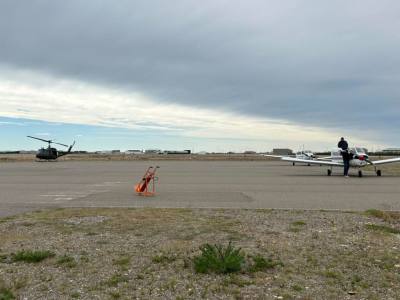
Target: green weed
point(6, 294)
point(115, 295)
point(122, 261)
point(219, 259)
point(67, 261)
point(32, 256)
point(382, 228)
point(296, 226)
point(262, 264)
point(299, 223)
point(115, 279)
point(163, 258)
point(383, 215)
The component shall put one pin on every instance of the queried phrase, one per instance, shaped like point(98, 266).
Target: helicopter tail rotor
point(70, 147)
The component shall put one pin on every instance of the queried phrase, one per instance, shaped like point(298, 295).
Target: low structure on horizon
point(282, 151)
point(134, 152)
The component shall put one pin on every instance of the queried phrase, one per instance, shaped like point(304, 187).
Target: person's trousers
point(346, 166)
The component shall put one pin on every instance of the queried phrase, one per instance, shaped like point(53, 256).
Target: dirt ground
point(148, 254)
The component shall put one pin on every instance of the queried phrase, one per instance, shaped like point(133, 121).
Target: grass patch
point(91, 233)
point(32, 256)
point(3, 258)
point(297, 288)
point(219, 259)
point(122, 261)
point(382, 228)
point(163, 258)
point(299, 223)
point(296, 226)
point(332, 274)
point(383, 215)
point(236, 280)
point(6, 219)
point(261, 264)
point(115, 295)
point(67, 261)
point(6, 294)
point(116, 279)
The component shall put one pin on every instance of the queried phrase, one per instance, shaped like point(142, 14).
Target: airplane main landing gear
point(360, 174)
point(329, 172)
point(378, 172)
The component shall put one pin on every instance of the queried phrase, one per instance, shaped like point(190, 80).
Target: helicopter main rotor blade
point(32, 137)
point(60, 144)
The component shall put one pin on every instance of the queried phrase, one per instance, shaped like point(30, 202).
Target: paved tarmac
point(27, 186)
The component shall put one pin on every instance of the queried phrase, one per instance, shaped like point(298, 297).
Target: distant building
point(134, 152)
point(108, 152)
point(27, 152)
point(391, 150)
point(202, 153)
point(177, 152)
point(103, 152)
point(249, 152)
point(282, 151)
point(153, 151)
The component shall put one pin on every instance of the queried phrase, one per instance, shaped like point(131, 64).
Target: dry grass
point(148, 254)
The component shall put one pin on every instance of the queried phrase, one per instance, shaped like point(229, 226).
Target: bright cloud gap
point(31, 95)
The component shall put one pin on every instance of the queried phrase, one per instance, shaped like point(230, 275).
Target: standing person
point(345, 154)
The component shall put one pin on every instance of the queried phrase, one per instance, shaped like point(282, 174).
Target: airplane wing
point(313, 162)
point(274, 156)
point(386, 161)
point(327, 158)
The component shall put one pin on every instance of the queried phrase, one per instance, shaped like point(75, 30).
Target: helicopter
point(50, 153)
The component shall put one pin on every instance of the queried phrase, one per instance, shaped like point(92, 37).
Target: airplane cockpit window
point(360, 150)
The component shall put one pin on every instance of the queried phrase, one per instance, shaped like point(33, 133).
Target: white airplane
point(304, 155)
point(359, 160)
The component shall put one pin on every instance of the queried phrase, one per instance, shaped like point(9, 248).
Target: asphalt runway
point(27, 186)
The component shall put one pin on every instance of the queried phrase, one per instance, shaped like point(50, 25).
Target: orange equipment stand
point(143, 187)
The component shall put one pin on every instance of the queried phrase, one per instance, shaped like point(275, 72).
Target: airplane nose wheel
point(360, 174)
point(378, 173)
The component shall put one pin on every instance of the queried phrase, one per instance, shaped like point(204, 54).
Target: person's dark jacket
point(345, 153)
point(343, 145)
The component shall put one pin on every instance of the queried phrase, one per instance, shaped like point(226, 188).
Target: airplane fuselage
point(358, 157)
point(356, 163)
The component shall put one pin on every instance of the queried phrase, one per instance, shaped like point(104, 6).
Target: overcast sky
point(273, 71)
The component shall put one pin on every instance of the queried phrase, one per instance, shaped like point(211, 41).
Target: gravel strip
point(147, 254)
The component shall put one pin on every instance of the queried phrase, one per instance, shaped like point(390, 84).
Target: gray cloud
point(321, 63)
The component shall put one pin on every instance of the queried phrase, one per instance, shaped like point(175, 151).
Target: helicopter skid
point(45, 160)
